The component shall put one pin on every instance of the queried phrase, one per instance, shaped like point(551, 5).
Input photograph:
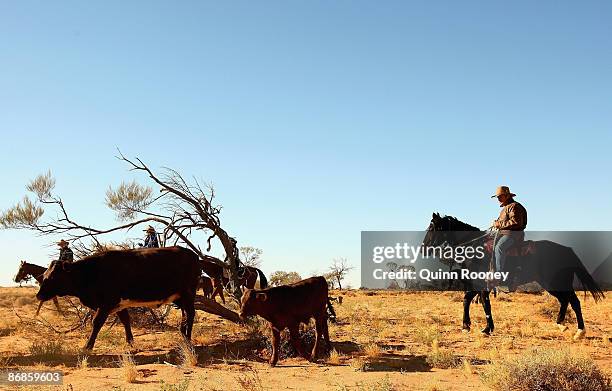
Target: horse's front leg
point(467, 300)
point(486, 304)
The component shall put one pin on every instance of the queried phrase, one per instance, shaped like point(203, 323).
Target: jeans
point(503, 243)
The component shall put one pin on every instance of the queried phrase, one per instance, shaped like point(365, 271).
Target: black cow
point(112, 281)
point(286, 307)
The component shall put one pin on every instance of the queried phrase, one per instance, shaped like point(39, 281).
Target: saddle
point(522, 249)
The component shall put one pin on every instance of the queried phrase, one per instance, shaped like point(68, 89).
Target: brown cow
point(286, 307)
point(112, 281)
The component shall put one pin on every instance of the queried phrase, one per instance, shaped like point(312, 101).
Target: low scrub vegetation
point(547, 369)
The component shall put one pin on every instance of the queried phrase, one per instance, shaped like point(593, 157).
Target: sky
point(313, 120)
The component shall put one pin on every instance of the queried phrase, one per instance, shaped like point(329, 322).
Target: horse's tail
point(263, 281)
point(588, 283)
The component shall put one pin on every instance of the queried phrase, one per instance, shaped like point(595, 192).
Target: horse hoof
point(562, 327)
point(579, 334)
point(486, 332)
point(465, 330)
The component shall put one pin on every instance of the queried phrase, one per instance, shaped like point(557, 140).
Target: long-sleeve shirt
point(151, 240)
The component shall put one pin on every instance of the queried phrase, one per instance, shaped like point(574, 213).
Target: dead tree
point(187, 212)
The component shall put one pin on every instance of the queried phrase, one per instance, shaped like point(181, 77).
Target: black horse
point(551, 265)
point(28, 270)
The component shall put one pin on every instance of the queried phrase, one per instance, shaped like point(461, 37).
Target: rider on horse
point(66, 253)
point(511, 223)
point(151, 240)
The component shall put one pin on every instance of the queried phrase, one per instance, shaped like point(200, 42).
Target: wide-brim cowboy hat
point(501, 190)
point(62, 243)
point(149, 229)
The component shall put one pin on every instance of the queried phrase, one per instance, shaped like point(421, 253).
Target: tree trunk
point(231, 259)
point(339, 283)
point(212, 307)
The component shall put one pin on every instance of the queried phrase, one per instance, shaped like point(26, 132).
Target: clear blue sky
point(314, 120)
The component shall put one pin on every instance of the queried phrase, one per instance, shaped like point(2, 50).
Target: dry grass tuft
point(48, 350)
point(250, 380)
point(359, 364)
point(128, 366)
point(426, 334)
point(83, 362)
point(372, 350)
point(467, 367)
point(186, 353)
point(547, 369)
point(439, 358)
point(334, 357)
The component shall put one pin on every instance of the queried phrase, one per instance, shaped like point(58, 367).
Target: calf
point(112, 281)
point(286, 307)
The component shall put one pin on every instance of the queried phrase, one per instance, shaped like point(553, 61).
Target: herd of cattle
point(113, 281)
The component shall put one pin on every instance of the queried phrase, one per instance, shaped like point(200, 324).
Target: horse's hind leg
point(486, 304)
point(575, 302)
point(563, 298)
point(467, 300)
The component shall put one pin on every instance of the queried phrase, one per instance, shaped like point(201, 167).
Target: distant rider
point(151, 239)
point(511, 223)
point(66, 253)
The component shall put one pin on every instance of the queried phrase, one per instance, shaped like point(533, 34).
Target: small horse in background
point(29, 270)
point(206, 285)
point(248, 278)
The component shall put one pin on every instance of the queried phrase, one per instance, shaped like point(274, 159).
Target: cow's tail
point(331, 312)
point(263, 281)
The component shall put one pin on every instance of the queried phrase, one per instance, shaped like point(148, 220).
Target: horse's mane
point(458, 225)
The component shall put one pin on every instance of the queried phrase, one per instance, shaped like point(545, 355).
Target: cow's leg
point(275, 345)
point(486, 304)
point(468, 296)
point(319, 320)
point(575, 303)
point(124, 317)
point(98, 322)
point(190, 316)
point(294, 335)
point(326, 333)
point(57, 306)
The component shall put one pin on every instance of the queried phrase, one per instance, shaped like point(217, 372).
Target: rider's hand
point(494, 224)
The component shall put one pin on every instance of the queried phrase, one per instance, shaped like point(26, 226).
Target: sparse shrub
point(426, 334)
point(442, 359)
point(128, 367)
point(547, 369)
point(47, 350)
point(360, 364)
point(372, 350)
point(383, 384)
point(250, 380)
point(180, 386)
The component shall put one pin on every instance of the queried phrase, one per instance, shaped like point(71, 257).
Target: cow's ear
point(262, 296)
